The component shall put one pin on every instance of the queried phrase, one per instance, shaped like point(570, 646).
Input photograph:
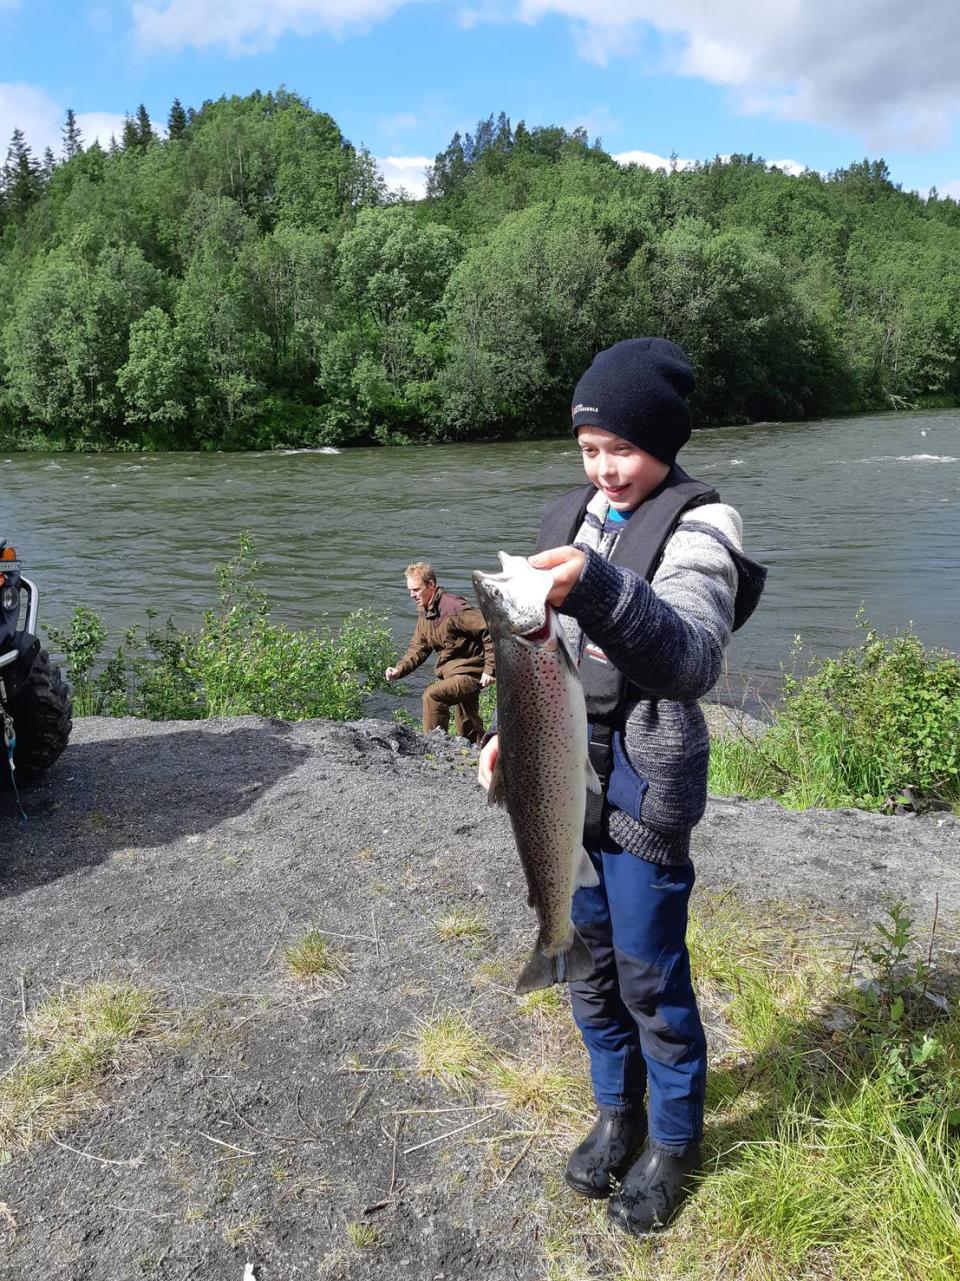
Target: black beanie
point(638, 389)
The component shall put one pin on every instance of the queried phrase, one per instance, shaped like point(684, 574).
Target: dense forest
point(247, 281)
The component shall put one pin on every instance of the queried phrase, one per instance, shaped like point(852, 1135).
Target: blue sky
point(793, 80)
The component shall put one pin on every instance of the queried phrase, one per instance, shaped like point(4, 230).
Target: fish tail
point(568, 966)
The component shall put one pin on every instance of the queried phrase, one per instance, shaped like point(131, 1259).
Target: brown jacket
point(457, 634)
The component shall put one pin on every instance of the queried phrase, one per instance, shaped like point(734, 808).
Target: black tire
point(42, 718)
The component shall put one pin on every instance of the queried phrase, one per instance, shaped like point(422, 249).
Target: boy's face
point(625, 473)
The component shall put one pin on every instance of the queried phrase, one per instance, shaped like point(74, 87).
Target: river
point(841, 511)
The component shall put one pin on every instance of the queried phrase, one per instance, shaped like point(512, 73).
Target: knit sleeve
point(667, 636)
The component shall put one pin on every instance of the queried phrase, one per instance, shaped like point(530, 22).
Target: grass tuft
point(74, 1041)
point(363, 1236)
point(244, 1232)
point(547, 1090)
point(459, 924)
point(449, 1050)
point(311, 958)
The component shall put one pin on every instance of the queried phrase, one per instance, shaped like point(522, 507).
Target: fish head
point(514, 602)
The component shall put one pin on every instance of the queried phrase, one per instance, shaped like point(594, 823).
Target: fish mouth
point(537, 634)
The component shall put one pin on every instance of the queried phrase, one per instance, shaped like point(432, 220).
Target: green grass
point(460, 924)
point(450, 1050)
point(74, 1042)
point(830, 1155)
point(876, 727)
point(311, 958)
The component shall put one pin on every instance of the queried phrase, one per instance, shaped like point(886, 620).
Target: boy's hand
point(486, 679)
point(391, 674)
point(488, 758)
point(566, 564)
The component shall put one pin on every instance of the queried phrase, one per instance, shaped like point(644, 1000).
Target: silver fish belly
point(542, 774)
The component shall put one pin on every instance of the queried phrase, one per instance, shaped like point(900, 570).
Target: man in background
point(457, 634)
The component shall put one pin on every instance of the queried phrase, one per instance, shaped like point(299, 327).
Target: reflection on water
point(842, 512)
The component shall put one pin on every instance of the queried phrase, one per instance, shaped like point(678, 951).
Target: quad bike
point(35, 708)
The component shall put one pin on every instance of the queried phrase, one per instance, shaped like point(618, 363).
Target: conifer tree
point(177, 120)
point(72, 141)
point(22, 177)
point(49, 163)
point(145, 132)
point(130, 138)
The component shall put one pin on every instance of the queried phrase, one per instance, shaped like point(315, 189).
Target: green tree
point(528, 307)
point(217, 314)
point(69, 333)
point(391, 271)
point(72, 139)
point(176, 121)
point(145, 134)
point(22, 178)
point(156, 381)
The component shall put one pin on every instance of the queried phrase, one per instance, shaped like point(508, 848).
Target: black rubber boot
point(607, 1150)
point(654, 1188)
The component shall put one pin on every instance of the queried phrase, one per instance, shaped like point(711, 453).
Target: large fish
point(542, 771)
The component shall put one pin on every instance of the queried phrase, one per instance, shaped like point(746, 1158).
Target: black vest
point(638, 548)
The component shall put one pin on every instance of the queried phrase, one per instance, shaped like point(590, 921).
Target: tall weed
point(876, 727)
point(238, 662)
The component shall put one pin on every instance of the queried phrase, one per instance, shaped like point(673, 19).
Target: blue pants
point(637, 1012)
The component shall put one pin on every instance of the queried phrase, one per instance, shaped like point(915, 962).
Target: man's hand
point(566, 565)
point(488, 758)
point(486, 679)
point(392, 673)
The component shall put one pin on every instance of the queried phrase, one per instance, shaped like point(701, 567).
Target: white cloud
point(951, 189)
point(650, 160)
point(885, 70)
point(250, 26)
point(878, 67)
point(41, 117)
point(793, 167)
point(408, 172)
point(99, 126)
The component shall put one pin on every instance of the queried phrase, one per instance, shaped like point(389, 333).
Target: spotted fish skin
point(542, 771)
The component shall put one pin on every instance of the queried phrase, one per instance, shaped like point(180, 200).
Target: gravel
point(187, 856)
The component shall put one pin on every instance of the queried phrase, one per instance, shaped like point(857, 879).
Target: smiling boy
point(650, 579)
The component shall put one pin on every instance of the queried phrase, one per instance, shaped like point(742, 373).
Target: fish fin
point(593, 782)
point(540, 971)
point(578, 963)
point(574, 963)
point(586, 873)
point(563, 646)
point(496, 792)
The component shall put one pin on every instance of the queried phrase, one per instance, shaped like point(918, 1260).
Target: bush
point(876, 727)
point(238, 663)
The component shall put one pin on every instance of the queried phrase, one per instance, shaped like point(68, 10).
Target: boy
point(650, 579)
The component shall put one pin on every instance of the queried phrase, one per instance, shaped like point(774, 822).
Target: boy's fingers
point(553, 556)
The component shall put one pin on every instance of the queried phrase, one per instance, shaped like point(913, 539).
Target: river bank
point(279, 1118)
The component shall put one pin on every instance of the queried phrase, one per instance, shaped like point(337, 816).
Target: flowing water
point(841, 511)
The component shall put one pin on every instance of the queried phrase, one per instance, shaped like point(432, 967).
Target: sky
point(802, 83)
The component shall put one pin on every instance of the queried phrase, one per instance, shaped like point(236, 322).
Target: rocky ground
point(283, 1129)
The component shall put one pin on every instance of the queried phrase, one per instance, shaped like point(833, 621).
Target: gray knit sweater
point(668, 637)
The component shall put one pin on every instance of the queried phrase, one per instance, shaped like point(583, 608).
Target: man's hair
point(421, 570)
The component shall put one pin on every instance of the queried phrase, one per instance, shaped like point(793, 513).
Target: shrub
point(877, 726)
point(237, 663)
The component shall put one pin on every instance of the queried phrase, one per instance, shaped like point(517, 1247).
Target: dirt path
point(277, 1116)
